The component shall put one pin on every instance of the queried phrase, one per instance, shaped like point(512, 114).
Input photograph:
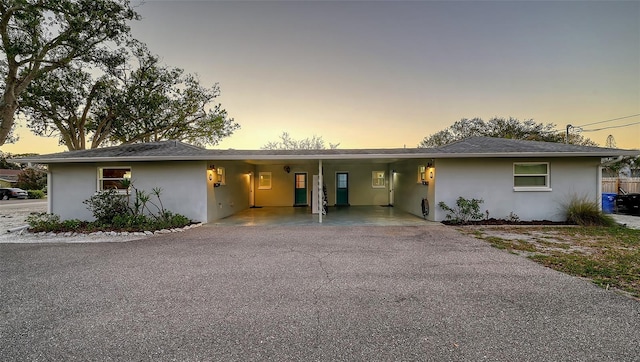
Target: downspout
point(320, 192)
point(600, 167)
point(598, 201)
point(49, 194)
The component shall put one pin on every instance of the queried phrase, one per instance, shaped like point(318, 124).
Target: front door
point(342, 189)
point(300, 189)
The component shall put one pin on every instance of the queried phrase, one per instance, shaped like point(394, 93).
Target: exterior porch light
point(211, 170)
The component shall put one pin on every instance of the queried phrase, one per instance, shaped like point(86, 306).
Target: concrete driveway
point(303, 293)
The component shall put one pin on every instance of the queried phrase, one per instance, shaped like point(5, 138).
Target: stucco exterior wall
point(409, 192)
point(231, 197)
point(492, 181)
point(361, 191)
point(183, 186)
point(69, 185)
point(282, 192)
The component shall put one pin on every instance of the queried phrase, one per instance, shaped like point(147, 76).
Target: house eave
point(342, 156)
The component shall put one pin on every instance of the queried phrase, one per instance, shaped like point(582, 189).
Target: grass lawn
point(609, 256)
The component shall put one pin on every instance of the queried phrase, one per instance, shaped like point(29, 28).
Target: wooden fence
point(630, 185)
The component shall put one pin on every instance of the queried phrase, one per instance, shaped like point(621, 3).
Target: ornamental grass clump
point(585, 212)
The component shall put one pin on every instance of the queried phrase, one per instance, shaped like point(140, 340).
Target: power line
point(603, 128)
point(608, 120)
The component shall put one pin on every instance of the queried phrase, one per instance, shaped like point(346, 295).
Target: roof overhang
point(379, 157)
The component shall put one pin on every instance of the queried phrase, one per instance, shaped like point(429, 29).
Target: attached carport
point(368, 179)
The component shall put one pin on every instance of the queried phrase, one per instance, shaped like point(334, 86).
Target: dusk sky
point(388, 73)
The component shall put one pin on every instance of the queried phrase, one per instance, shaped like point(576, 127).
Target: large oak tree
point(40, 36)
point(137, 100)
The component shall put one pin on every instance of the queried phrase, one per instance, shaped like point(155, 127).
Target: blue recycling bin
point(608, 203)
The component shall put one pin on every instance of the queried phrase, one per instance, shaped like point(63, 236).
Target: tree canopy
point(501, 128)
point(39, 37)
point(286, 142)
point(133, 99)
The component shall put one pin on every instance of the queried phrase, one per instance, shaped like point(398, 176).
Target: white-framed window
point(531, 176)
point(264, 180)
point(377, 179)
point(112, 177)
point(422, 173)
point(222, 176)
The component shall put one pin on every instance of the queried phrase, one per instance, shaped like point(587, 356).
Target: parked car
point(13, 193)
point(627, 203)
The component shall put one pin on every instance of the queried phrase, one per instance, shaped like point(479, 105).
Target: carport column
point(320, 192)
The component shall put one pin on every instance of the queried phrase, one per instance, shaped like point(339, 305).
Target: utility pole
point(568, 127)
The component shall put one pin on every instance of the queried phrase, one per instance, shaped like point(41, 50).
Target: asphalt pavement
point(321, 293)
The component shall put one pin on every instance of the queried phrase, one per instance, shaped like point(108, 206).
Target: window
point(264, 181)
point(377, 179)
point(222, 178)
point(112, 177)
point(422, 173)
point(531, 176)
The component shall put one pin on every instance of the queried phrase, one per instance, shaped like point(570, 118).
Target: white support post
point(320, 192)
point(599, 200)
point(49, 192)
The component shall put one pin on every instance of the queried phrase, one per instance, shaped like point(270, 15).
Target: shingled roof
point(470, 147)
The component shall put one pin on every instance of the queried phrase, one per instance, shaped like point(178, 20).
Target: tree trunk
point(8, 108)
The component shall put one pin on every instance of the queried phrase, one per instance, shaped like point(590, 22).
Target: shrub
point(35, 194)
point(107, 204)
point(42, 221)
point(464, 211)
point(585, 212)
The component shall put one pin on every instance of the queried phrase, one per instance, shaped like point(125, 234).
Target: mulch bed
point(493, 221)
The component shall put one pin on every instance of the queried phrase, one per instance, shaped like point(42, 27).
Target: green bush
point(464, 211)
point(585, 212)
point(107, 204)
point(42, 221)
point(35, 194)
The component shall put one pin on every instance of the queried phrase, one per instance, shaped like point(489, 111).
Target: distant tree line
point(497, 127)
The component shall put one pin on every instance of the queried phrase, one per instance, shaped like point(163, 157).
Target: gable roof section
point(470, 147)
point(499, 146)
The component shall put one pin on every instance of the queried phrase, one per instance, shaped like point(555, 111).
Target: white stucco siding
point(360, 183)
point(183, 185)
point(71, 184)
point(409, 192)
point(232, 196)
point(492, 181)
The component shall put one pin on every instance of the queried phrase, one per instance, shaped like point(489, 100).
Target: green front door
point(342, 189)
point(300, 189)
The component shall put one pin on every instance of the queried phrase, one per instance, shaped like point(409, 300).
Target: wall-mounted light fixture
point(431, 175)
point(287, 169)
point(211, 169)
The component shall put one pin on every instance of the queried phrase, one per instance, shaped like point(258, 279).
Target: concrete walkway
point(631, 221)
point(313, 293)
